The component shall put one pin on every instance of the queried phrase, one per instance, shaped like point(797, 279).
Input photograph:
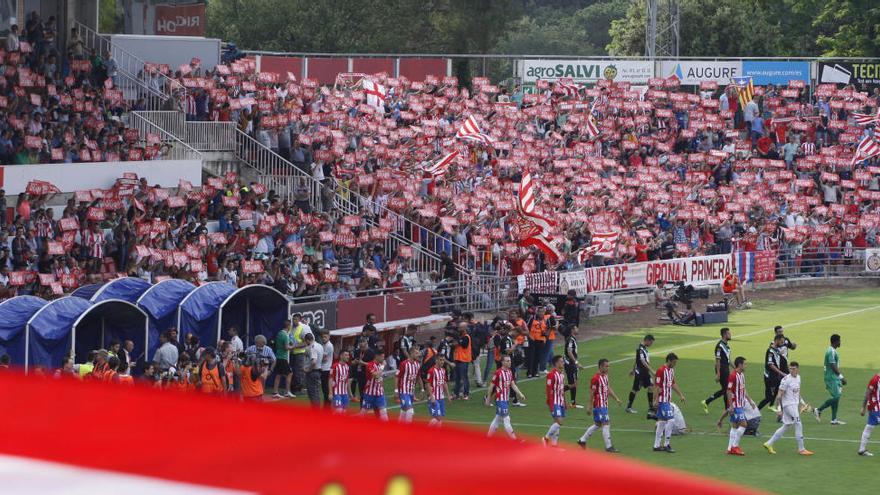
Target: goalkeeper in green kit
point(834, 381)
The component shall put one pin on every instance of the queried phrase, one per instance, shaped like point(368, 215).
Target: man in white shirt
point(235, 341)
point(326, 364)
point(314, 358)
point(789, 397)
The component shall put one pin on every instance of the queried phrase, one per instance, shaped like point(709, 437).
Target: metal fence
point(153, 89)
point(822, 262)
point(175, 148)
point(211, 136)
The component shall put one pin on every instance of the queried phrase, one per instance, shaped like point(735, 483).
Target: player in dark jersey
point(722, 369)
point(570, 357)
point(787, 345)
point(772, 372)
point(643, 376)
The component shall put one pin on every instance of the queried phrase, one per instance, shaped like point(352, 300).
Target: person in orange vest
point(123, 374)
point(253, 375)
point(110, 375)
point(101, 366)
point(212, 376)
point(463, 355)
point(537, 339)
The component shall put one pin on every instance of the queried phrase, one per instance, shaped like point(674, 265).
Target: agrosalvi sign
point(634, 71)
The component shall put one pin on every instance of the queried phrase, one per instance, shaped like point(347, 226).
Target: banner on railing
point(700, 270)
point(758, 266)
point(872, 260)
point(320, 316)
point(633, 71)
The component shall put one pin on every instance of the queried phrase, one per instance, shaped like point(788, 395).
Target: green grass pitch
point(855, 315)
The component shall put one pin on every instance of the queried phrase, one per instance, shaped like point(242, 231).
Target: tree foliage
point(569, 27)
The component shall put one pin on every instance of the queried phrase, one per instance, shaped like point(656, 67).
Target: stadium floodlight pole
point(663, 39)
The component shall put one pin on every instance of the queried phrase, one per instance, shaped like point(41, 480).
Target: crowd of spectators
point(675, 170)
point(61, 106)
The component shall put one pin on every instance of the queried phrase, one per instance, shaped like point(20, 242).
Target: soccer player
point(642, 374)
point(787, 345)
point(340, 381)
point(555, 400)
point(438, 390)
point(737, 397)
point(374, 393)
point(599, 392)
point(871, 405)
point(407, 376)
point(722, 369)
point(502, 383)
point(571, 363)
point(789, 399)
point(772, 372)
point(834, 382)
point(664, 384)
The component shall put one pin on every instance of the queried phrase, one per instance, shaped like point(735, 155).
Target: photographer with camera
point(252, 372)
point(212, 376)
point(538, 333)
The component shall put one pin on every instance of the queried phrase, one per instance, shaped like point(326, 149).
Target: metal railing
point(154, 89)
point(177, 149)
point(211, 136)
point(822, 262)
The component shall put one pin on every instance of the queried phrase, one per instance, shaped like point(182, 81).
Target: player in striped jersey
point(407, 376)
point(556, 388)
point(664, 384)
point(340, 381)
point(871, 405)
point(501, 385)
point(438, 389)
point(374, 393)
point(599, 392)
point(737, 397)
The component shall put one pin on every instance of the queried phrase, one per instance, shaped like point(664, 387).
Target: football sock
point(826, 404)
point(493, 426)
point(383, 414)
point(835, 402)
point(587, 434)
point(658, 435)
point(731, 442)
point(632, 397)
point(606, 435)
point(553, 433)
point(508, 427)
point(670, 427)
point(650, 401)
point(866, 435)
point(739, 434)
point(777, 434)
point(574, 394)
point(799, 435)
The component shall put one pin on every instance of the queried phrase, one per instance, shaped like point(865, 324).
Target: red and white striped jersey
point(599, 385)
point(374, 384)
point(407, 376)
point(555, 388)
point(874, 394)
point(736, 385)
point(95, 243)
point(664, 378)
point(808, 148)
point(502, 380)
point(437, 379)
point(339, 372)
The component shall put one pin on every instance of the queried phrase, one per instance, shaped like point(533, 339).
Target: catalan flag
point(745, 88)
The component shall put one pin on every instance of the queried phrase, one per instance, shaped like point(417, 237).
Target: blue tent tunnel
point(86, 291)
point(253, 310)
point(127, 289)
point(48, 332)
point(14, 315)
point(199, 312)
point(107, 321)
point(161, 302)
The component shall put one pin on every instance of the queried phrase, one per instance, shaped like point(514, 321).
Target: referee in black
point(570, 359)
point(773, 374)
point(722, 369)
point(643, 376)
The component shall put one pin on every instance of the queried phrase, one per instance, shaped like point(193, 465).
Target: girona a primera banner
point(700, 270)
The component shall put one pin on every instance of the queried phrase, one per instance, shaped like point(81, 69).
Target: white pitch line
point(635, 430)
point(704, 342)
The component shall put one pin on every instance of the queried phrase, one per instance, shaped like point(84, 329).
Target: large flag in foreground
point(54, 439)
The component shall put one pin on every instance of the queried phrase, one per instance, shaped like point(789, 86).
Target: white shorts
point(790, 415)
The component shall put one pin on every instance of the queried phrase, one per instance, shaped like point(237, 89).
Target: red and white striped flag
point(470, 130)
point(867, 149)
point(547, 246)
point(865, 119)
point(592, 127)
point(375, 94)
point(438, 169)
point(567, 87)
point(526, 195)
point(601, 244)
